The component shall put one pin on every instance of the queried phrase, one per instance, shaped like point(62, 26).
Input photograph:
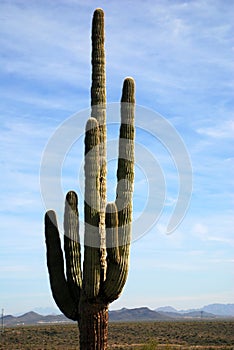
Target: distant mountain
point(31, 318)
point(198, 314)
point(125, 315)
point(216, 309)
point(220, 309)
point(192, 314)
point(138, 314)
point(46, 311)
point(166, 309)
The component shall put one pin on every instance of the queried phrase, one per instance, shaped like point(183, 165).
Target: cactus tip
point(111, 215)
point(128, 91)
point(50, 221)
point(111, 207)
point(99, 11)
point(72, 199)
point(98, 14)
point(130, 82)
point(92, 123)
point(50, 215)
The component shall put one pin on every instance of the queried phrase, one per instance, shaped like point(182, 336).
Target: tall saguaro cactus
point(85, 294)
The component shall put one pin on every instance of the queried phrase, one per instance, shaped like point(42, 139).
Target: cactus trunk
point(84, 294)
point(98, 104)
point(93, 326)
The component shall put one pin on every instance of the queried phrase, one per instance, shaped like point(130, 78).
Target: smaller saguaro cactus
point(85, 294)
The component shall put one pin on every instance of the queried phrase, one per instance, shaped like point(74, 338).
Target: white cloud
point(223, 130)
point(215, 229)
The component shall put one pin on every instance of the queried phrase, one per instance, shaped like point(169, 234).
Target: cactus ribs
point(84, 294)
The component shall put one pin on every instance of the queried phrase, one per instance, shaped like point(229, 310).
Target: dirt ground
point(199, 335)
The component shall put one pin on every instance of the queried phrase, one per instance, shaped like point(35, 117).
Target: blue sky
point(180, 55)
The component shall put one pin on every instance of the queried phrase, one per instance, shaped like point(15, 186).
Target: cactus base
point(93, 326)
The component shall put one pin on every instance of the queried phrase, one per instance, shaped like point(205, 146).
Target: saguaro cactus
point(85, 295)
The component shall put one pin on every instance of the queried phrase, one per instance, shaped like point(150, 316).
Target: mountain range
point(125, 315)
point(216, 309)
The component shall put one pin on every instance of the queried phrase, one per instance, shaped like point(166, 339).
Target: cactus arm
point(120, 213)
point(112, 241)
point(92, 266)
point(72, 245)
point(125, 175)
point(55, 266)
point(98, 103)
point(125, 171)
point(113, 257)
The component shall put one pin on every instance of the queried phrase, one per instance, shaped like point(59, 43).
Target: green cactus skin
point(84, 294)
point(98, 104)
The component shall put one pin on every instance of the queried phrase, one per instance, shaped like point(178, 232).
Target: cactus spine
point(84, 296)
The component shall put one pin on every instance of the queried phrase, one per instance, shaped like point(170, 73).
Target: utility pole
point(2, 320)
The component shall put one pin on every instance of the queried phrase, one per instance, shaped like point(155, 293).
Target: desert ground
point(199, 335)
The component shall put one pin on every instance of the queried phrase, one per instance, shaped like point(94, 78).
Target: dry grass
point(199, 335)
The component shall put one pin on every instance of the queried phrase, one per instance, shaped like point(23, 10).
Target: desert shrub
point(152, 345)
